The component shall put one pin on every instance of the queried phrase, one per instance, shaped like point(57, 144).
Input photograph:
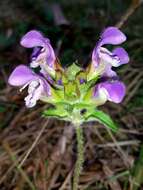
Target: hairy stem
point(80, 156)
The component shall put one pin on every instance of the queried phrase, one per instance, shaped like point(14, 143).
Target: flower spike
point(74, 93)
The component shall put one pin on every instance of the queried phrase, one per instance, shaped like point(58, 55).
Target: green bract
point(72, 100)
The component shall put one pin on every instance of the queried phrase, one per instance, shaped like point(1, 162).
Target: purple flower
point(50, 84)
point(113, 91)
point(24, 77)
point(101, 55)
point(43, 54)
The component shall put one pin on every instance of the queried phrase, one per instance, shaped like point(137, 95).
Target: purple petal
point(115, 90)
point(122, 55)
point(47, 87)
point(112, 35)
point(109, 72)
point(33, 39)
point(95, 57)
point(50, 56)
point(21, 75)
point(59, 82)
point(35, 53)
point(46, 55)
point(81, 80)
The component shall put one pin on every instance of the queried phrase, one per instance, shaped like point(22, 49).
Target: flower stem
point(80, 156)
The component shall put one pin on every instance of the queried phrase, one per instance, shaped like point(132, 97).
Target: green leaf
point(58, 112)
point(103, 118)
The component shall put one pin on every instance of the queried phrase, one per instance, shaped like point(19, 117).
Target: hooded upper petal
point(112, 35)
point(21, 75)
point(32, 39)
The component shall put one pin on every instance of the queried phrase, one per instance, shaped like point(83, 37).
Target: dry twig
point(34, 143)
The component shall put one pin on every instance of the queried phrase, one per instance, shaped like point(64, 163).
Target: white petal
point(35, 91)
point(29, 101)
point(107, 56)
point(34, 64)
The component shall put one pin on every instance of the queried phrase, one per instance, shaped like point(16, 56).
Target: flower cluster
point(72, 87)
point(42, 56)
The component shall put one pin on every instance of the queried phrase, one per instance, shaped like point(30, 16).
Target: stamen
point(22, 88)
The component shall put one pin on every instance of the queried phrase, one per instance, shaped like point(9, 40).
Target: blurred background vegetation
point(73, 27)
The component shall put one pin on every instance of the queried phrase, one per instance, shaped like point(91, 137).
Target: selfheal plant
point(75, 92)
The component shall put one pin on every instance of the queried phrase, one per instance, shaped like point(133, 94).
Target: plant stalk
point(80, 156)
